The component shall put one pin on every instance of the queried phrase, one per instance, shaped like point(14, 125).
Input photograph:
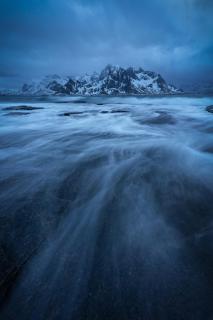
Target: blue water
point(106, 213)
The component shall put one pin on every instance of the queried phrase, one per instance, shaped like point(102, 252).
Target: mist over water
point(106, 212)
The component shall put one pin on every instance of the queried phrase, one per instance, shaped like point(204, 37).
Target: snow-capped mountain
point(112, 80)
point(51, 84)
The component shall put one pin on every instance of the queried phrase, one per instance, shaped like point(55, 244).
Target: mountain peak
point(111, 67)
point(112, 80)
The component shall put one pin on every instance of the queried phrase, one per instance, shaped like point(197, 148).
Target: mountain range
point(112, 80)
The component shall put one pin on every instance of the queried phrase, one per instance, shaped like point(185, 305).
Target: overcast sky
point(71, 37)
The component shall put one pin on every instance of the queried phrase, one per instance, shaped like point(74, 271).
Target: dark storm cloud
point(76, 36)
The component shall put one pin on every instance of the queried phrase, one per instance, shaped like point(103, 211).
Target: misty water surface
point(106, 209)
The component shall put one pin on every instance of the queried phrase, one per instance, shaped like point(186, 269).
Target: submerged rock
point(119, 111)
point(79, 101)
point(72, 113)
point(209, 109)
point(23, 107)
point(114, 111)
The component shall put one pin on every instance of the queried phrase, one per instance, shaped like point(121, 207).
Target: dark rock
point(68, 114)
point(207, 149)
point(23, 107)
point(114, 111)
point(119, 111)
point(209, 109)
point(57, 87)
point(79, 101)
point(72, 87)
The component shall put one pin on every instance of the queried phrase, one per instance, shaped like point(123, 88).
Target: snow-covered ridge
point(112, 80)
